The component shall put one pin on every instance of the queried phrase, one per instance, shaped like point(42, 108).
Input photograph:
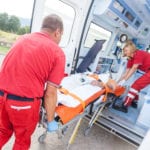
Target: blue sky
point(19, 8)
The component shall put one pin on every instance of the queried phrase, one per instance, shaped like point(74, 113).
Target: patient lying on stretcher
point(79, 90)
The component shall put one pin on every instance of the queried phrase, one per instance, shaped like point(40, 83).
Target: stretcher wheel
point(87, 130)
point(42, 138)
point(64, 130)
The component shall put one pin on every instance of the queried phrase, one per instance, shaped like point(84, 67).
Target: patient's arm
point(111, 85)
point(97, 83)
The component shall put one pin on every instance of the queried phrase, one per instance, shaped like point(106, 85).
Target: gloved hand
point(122, 82)
point(52, 126)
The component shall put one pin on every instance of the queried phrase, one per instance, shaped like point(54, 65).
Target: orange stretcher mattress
point(66, 113)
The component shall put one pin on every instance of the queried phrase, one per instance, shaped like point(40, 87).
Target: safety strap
point(66, 92)
point(106, 93)
point(96, 77)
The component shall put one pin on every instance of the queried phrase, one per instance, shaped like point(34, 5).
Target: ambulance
point(111, 22)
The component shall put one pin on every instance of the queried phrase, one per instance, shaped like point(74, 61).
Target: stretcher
point(75, 97)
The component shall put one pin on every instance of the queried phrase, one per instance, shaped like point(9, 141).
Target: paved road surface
point(98, 139)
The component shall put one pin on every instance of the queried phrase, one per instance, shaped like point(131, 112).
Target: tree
point(3, 21)
point(13, 24)
point(24, 30)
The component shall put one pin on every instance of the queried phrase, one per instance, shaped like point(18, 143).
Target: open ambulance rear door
point(74, 14)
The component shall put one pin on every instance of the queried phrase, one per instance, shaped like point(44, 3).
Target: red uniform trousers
point(20, 118)
point(139, 84)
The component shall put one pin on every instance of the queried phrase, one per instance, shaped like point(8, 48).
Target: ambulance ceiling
point(141, 7)
point(130, 16)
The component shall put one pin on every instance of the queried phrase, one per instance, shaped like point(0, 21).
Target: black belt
point(15, 97)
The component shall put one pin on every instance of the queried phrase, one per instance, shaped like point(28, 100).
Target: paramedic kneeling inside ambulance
point(137, 59)
point(35, 59)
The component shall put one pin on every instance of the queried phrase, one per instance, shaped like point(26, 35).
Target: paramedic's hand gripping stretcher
point(76, 94)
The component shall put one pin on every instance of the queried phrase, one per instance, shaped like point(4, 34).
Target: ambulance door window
point(67, 13)
point(96, 33)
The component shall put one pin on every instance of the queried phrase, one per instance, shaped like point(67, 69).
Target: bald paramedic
point(35, 61)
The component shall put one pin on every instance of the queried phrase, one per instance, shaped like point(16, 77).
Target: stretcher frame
point(110, 100)
point(62, 128)
point(105, 92)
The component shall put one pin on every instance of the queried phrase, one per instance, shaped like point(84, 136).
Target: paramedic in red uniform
point(35, 61)
point(137, 59)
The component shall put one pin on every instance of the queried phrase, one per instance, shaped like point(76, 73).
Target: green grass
point(4, 50)
point(8, 38)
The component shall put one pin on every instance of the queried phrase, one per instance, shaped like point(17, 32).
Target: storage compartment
point(104, 65)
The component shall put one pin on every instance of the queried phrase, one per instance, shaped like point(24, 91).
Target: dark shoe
point(121, 108)
point(134, 104)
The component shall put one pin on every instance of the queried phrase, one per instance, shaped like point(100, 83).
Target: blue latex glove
point(52, 126)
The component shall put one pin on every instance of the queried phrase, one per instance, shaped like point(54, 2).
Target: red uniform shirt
point(33, 60)
point(142, 58)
